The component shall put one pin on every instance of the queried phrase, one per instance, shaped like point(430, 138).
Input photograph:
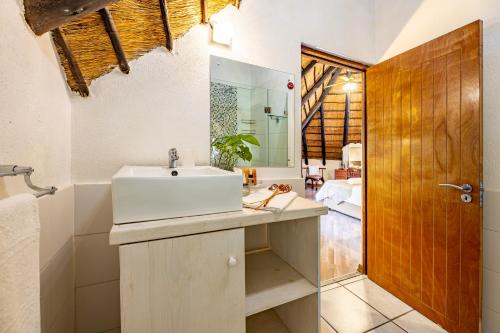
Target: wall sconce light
point(222, 32)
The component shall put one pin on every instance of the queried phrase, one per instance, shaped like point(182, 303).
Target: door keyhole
point(467, 198)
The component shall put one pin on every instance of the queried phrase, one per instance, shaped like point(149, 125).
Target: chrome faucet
point(172, 158)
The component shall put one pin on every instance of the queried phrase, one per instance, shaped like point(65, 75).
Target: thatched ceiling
point(334, 106)
point(139, 27)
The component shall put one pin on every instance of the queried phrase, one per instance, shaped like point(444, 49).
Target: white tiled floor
point(358, 305)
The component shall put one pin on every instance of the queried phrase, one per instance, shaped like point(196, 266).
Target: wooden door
point(184, 284)
point(424, 128)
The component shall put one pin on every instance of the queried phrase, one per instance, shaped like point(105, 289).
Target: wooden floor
point(341, 244)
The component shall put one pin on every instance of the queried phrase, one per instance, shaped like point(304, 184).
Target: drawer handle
point(232, 262)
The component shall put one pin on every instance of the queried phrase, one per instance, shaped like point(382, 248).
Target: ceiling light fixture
point(350, 84)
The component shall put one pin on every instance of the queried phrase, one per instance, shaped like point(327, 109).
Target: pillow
point(354, 181)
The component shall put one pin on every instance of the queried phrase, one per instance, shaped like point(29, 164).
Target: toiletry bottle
point(254, 176)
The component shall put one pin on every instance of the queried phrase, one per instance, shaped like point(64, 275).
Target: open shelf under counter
point(271, 282)
point(266, 322)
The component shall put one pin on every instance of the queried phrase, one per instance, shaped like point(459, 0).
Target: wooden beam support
point(323, 139)
point(204, 11)
point(60, 41)
point(166, 25)
point(308, 68)
point(304, 147)
point(317, 105)
point(46, 15)
point(346, 118)
point(328, 73)
point(115, 40)
point(333, 59)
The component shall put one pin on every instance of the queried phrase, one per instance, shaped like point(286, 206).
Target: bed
point(343, 196)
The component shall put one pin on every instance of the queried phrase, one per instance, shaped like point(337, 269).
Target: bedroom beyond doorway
point(333, 105)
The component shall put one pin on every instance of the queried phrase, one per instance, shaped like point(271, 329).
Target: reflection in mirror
point(251, 101)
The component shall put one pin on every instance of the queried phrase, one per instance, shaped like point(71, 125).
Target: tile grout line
point(401, 315)
point(375, 327)
point(348, 283)
point(388, 319)
point(399, 326)
point(326, 320)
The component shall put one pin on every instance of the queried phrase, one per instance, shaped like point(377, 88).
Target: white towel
point(278, 203)
point(19, 265)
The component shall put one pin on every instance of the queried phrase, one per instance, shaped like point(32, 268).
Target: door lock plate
point(467, 198)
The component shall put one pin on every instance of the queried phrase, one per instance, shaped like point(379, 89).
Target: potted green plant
point(228, 149)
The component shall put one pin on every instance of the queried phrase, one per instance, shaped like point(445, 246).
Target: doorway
point(423, 189)
point(333, 106)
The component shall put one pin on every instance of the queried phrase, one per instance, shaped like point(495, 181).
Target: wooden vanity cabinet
point(185, 284)
point(204, 274)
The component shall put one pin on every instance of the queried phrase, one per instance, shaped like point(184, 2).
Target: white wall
point(35, 124)
point(164, 101)
point(401, 25)
point(34, 104)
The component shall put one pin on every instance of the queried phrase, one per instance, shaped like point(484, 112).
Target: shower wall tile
point(98, 307)
point(57, 283)
point(93, 209)
point(95, 260)
point(56, 223)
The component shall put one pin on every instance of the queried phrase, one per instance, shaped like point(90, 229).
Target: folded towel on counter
point(278, 203)
point(19, 265)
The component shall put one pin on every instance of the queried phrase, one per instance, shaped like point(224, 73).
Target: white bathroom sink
point(145, 193)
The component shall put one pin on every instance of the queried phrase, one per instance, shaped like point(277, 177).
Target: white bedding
point(339, 191)
point(342, 196)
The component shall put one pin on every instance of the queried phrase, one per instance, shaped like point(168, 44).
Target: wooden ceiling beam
point(204, 11)
point(115, 40)
point(46, 15)
point(60, 41)
point(166, 25)
point(315, 108)
point(323, 140)
point(308, 68)
point(326, 75)
point(304, 148)
point(346, 117)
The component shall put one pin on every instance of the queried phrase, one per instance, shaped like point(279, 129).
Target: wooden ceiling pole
point(347, 116)
point(60, 41)
point(328, 73)
point(323, 138)
point(115, 40)
point(308, 68)
point(317, 105)
point(304, 149)
point(308, 101)
point(166, 25)
point(204, 11)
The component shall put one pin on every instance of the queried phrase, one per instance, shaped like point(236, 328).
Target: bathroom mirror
point(252, 100)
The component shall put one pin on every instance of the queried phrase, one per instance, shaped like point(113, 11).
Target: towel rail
point(15, 170)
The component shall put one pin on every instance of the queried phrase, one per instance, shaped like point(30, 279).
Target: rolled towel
point(19, 265)
point(278, 203)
